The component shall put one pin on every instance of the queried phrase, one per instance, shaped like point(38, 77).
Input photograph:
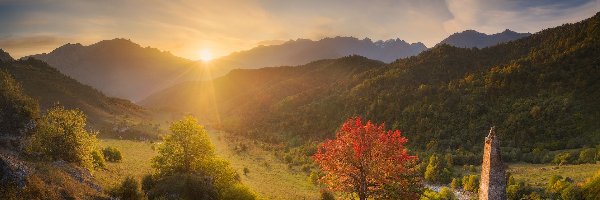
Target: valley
point(444, 112)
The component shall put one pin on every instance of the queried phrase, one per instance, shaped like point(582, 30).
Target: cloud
point(185, 26)
point(523, 16)
point(23, 46)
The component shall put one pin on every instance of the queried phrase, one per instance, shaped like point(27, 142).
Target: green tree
point(186, 149)
point(61, 135)
point(437, 170)
point(187, 152)
point(432, 172)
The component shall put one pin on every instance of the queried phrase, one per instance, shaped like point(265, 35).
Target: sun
point(205, 55)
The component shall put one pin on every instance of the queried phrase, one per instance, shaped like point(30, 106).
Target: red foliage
point(365, 158)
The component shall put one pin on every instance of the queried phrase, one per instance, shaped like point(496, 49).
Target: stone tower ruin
point(493, 175)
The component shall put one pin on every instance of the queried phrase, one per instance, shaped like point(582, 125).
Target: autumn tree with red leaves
point(367, 160)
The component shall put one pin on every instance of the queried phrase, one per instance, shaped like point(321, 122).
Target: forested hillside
point(539, 91)
point(48, 86)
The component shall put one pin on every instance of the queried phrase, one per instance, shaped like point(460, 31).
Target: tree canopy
point(367, 160)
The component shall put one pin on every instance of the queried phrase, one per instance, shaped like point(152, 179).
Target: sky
point(198, 29)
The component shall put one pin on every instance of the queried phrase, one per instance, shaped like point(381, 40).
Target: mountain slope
point(120, 67)
point(540, 92)
point(48, 86)
point(471, 38)
point(242, 90)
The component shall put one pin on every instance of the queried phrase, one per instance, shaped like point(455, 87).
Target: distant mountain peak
point(472, 38)
point(508, 31)
point(4, 56)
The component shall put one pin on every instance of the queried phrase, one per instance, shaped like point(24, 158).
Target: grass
point(136, 162)
point(268, 176)
point(537, 175)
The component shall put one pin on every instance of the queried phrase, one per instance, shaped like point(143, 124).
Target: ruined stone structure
point(493, 175)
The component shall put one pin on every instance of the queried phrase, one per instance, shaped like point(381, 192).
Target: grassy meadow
point(268, 176)
point(273, 179)
point(136, 161)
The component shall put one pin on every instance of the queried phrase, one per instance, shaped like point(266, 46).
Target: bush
point(246, 170)
point(471, 183)
point(129, 189)
point(183, 186)
point(98, 159)
point(112, 154)
point(456, 183)
point(148, 182)
point(563, 158)
point(587, 156)
point(61, 135)
point(517, 190)
point(591, 188)
point(571, 192)
point(444, 194)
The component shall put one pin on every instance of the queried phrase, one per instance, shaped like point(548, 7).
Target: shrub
point(456, 183)
point(517, 190)
point(571, 192)
point(591, 188)
point(112, 154)
point(246, 170)
point(98, 159)
point(587, 156)
point(444, 194)
point(148, 182)
point(471, 183)
point(183, 186)
point(61, 135)
point(563, 158)
point(129, 189)
point(447, 193)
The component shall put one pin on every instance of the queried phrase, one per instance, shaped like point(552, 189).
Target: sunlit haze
point(205, 55)
point(182, 27)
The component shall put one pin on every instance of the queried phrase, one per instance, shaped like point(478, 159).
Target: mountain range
point(540, 91)
point(124, 69)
